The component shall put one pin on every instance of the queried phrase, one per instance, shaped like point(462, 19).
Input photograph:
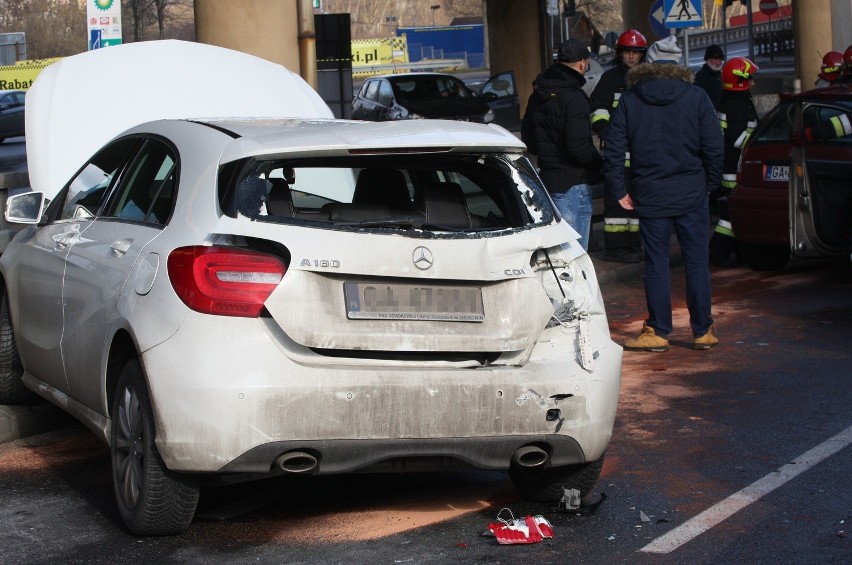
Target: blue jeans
point(575, 205)
point(693, 235)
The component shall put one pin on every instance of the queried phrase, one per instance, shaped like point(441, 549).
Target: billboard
point(22, 74)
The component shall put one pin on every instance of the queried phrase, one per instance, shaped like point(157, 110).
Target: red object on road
point(529, 529)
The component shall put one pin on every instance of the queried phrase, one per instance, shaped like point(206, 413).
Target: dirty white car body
point(223, 299)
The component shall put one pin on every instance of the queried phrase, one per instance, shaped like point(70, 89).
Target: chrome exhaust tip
point(530, 456)
point(296, 462)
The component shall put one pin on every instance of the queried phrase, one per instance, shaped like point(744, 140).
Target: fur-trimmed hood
point(644, 71)
point(659, 83)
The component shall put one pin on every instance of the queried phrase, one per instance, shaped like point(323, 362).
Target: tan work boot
point(707, 340)
point(647, 340)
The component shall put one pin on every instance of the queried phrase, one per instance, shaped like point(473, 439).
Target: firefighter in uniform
point(738, 119)
point(621, 227)
point(829, 71)
point(846, 71)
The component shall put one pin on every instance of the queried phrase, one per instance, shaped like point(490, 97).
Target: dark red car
point(794, 200)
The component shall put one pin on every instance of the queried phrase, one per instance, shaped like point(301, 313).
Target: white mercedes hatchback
point(251, 297)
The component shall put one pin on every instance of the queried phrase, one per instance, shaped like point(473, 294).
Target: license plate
point(777, 173)
point(384, 301)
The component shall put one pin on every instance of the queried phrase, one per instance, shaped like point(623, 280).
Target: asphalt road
point(734, 455)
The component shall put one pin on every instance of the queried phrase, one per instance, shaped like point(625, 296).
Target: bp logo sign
point(104, 4)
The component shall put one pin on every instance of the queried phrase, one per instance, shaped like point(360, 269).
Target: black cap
point(714, 52)
point(573, 50)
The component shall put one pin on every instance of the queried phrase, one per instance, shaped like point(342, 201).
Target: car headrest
point(386, 187)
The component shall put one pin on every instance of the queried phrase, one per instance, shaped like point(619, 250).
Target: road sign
point(768, 7)
point(682, 13)
point(656, 17)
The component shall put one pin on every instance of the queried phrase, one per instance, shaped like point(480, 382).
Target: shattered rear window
point(446, 192)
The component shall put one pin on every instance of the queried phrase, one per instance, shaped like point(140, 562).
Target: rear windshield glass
point(446, 192)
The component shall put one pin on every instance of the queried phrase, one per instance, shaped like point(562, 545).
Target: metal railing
point(770, 38)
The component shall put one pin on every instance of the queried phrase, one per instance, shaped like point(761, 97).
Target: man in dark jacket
point(671, 131)
point(556, 129)
point(621, 227)
point(709, 77)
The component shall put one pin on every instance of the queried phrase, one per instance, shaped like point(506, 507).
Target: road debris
point(511, 530)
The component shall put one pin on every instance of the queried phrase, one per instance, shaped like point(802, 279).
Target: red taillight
point(224, 280)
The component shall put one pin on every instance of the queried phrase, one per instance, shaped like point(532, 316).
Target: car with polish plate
point(231, 289)
point(794, 200)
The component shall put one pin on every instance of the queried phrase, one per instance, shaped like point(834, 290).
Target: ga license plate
point(396, 301)
point(777, 173)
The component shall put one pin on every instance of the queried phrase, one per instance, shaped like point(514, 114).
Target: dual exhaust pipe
point(298, 462)
point(530, 456)
point(302, 462)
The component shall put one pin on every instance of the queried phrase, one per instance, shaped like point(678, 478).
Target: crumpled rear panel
point(310, 308)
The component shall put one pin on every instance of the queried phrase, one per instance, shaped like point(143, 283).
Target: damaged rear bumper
point(248, 401)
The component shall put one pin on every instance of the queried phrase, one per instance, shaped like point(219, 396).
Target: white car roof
point(79, 103)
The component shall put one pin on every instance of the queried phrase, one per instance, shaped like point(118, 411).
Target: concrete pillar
point(266, 28)
point(516, 41)
point(636, 14)
point(812, 28)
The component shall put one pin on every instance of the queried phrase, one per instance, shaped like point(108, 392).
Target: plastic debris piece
point(583, 510)
point(529, 529)
point(644, 517)
point(570, 499)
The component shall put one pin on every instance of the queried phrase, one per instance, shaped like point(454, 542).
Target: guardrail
point(431, 65)
point(770, 38)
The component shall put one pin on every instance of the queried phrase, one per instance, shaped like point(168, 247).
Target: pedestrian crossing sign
point(682, 13)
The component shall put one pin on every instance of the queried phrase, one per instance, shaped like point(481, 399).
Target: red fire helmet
point(737, 74)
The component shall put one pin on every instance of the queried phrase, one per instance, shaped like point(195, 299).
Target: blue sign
point(656, 17)
point(682, 13)
point(94, 39)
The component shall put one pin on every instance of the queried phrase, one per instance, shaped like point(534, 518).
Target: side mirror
point(488, 97)
point(25, 208)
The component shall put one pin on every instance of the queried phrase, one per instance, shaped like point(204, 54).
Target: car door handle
point(121, 246)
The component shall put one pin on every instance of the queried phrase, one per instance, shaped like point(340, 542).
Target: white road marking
point(737, 501)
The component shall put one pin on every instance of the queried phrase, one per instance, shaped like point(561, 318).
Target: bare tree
point(161, 8)
point(54, 28)
point(136, 16)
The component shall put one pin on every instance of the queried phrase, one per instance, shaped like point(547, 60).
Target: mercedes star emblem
point(422, 258)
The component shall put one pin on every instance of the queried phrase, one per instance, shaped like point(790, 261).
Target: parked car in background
point(12, 104)
point(406, 96)
point(794, 200)
point(282, 292)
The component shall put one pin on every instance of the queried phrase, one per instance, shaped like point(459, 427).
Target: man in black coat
point(709, 77)
point(676, 151)
point(556, 129)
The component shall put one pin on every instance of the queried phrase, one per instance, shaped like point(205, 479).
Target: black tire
point(12, 390)
point(764, 257)
point(548, 485)
point(152, 500)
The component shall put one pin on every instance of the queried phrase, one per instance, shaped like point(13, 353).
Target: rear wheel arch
point(151, 499)
point(122, 349)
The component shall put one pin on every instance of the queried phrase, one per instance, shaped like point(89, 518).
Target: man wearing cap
point(709, 77)
point(676, 150)
point(556, 129)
